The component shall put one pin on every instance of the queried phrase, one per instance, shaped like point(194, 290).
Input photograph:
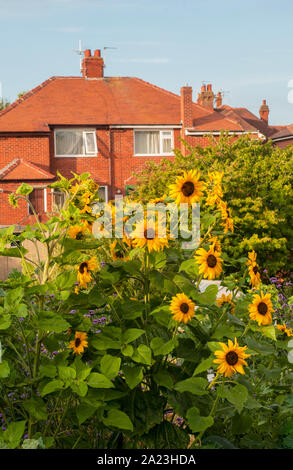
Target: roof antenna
point(80, 52)
point(105, 48)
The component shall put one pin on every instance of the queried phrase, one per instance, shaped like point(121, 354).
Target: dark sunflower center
point(149, 234)
point(184, 307)
point(187, 188)
point(79, 236)
point(211, 261)
point(255, 270)
point(262, 308)
point(77, 342)
point(232, 358)
point(119, 254)
point(82, 267)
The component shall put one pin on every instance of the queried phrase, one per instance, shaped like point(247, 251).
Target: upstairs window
point(75, 143)
point(153, 142)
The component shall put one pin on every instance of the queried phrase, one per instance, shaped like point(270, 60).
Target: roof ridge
point(27, 95)
point(167, 92)
point(31, 164)
point(5, 170)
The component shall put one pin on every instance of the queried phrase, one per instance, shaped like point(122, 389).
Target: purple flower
point(98, 331)
point(72, 311)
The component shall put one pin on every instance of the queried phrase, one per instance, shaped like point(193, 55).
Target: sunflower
point(261, 309)
point(215, 243)
point(215, 192)
point(284, 329)
point(117, 252)
point(79, 342)
point(226, 299)
point(226, 216)
point(182, 308)
point(253, 269)
point(146, 235)
point(231, 359)
point(188, 188)
point(84, 271)
point(76, 231)
point(210, 262)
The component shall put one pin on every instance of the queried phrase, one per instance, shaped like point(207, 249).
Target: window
point(103, 193)
point(38, 200)
point(58, 200)
point(75, 142)
point(153, 142)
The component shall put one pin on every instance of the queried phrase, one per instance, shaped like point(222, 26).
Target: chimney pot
point(92, 66)
point(264, 111)
point(209, 87)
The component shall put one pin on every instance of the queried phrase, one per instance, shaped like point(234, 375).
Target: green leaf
point(204, 365)
point(236, 395)
point(209, 296)
point(241, 424)
point(5, 322)
point(194, 385)
point(66, 373)
point(82, 369)
point(110, 366)
point(36, 407)
point(80, 388)
point(262, 348)
point(191, 267)
point(268, 331)
point(118, 419)
point(127, 350)
point(52, 387)
point(97, 380)
point(196, 422)
point(49, 321)
point(65, 281)
point(83, 412)
point(133, 375)
point(14, 433)
point(163, 378)
point(24, 189)
point(131, 335)
point(162, 315)
point(4, 370)
point(160, 347)
point(142, 354)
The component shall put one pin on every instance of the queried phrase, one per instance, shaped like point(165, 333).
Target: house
point(109, 126)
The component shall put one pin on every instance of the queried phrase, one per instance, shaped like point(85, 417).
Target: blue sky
point(243, 48)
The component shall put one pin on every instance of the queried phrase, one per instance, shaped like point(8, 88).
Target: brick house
point(109, 126)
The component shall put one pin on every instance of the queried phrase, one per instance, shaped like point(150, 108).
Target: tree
point(257, 186)
point(3, 104)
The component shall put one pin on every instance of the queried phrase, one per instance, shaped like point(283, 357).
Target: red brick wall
point(113, 172)
point(32, 148)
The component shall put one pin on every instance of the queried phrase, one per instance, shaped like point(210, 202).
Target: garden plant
point(113, 343)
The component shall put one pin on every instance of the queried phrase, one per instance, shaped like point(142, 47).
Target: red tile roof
point(116, 100)
point(20, 169)
point(76, 101)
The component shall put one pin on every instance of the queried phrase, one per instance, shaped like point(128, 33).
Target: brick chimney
point(264, 111)
point(206, 97)
point(219, 100)
point(92, 66)
point(186, 106)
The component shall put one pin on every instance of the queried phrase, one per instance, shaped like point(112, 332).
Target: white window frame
point(160, 130)
point(84, 132)
point(106, 191)
point(53, 206)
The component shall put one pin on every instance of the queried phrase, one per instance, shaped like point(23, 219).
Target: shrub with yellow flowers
point(136, 342)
